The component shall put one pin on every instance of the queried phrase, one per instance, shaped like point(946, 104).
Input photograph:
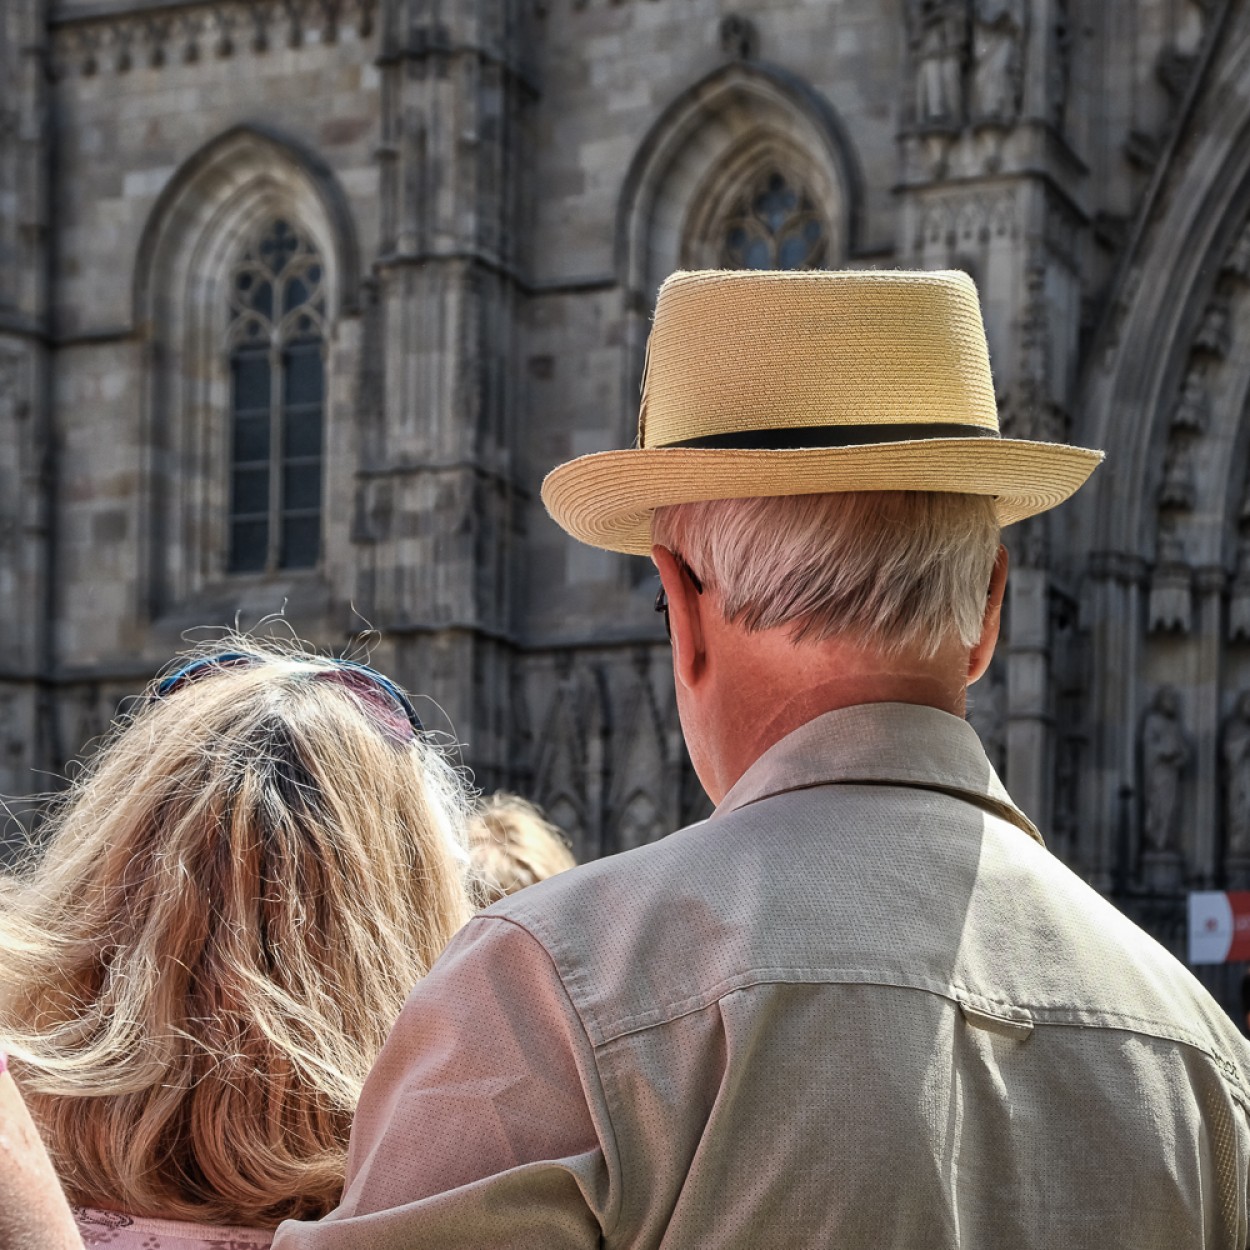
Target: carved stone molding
point(225, 28)
point(1118, 566)
point(1239, 597)
point(1210, 579)
point(955, 220)
point(1171, 585)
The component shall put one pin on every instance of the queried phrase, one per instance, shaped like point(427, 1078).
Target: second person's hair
point(234, 903)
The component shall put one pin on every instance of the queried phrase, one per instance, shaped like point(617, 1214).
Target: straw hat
point(791, 383)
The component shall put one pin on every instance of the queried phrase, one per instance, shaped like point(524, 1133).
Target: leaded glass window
point(774, 225)
point(277, 380)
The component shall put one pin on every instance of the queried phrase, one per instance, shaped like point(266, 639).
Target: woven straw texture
point(734, 352)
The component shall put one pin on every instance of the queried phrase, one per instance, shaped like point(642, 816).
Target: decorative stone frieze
point(225, 28)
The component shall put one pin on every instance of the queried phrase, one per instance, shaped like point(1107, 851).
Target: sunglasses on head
point(661, 598)
point(377, 690)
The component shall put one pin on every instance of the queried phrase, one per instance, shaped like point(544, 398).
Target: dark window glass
point(302, 436)
point(278, 389)
point(251, 381)
point(249, 546)
point(301, 542)
point(301, 486)
point(302, 364)
point(758, 255)
point(251, 439)
point(251, 492)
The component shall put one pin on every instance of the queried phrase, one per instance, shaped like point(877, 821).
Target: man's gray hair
point(895, 570)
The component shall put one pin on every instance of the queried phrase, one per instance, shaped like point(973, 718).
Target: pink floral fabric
point(133, 1232)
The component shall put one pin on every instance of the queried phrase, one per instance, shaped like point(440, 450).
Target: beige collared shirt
point(861, 1006)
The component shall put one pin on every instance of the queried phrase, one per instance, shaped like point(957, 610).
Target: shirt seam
point(617, 1201)
point(954, 992)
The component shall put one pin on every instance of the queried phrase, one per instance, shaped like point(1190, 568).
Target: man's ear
point(983, 652)
point(685, 621)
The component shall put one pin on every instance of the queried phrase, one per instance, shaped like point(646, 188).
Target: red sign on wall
point(1219, 926)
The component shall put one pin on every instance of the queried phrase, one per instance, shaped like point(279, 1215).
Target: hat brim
point(606, 499)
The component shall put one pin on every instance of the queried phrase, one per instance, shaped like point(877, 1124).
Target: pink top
point(134, 1232)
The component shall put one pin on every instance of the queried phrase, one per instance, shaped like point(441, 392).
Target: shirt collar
point(880, 743)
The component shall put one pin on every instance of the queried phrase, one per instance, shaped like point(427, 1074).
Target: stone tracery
point(774, 225)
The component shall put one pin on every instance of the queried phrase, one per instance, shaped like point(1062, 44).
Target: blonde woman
point(511, 846)
point(234, 902)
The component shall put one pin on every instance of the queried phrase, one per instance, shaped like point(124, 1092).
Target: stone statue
point(1237, 778)
point(1239, 596)
point(939, 41)
point(1194, 405)
point(997, 59)
point(1215, 333)
point(1237, 261)
point(1165, 752)
point(1178, 488)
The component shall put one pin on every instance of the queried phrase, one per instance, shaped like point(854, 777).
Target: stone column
point(1114, 593)
point(1029, 720)
point(27, 443)
point(990, 185)
point(436, 496)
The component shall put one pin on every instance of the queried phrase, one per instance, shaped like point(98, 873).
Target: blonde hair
point(894, 569)
point(511, 846)
point(234, 902)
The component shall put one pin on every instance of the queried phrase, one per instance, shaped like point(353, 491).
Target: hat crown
point(733, 352)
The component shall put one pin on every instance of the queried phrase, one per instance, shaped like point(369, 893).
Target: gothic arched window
point(774, 225)
point(277, 382)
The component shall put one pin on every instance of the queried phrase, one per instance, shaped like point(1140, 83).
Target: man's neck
point(774, 688)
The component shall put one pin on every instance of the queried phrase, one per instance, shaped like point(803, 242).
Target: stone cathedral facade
point(299, 299)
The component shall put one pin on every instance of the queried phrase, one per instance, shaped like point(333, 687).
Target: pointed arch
point(738, 125)
point(736, 116)
point(219, 199)
point(1167, 279)
point(234, 178)
point(1165, 392)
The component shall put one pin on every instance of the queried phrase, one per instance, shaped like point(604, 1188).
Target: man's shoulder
point(837, 884)
point(598, 891)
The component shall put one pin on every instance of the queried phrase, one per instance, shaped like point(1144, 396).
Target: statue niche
point(1165, 753)
point(939, 40)
point(998, 32)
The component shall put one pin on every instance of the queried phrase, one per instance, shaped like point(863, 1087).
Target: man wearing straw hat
point(861, 1005)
